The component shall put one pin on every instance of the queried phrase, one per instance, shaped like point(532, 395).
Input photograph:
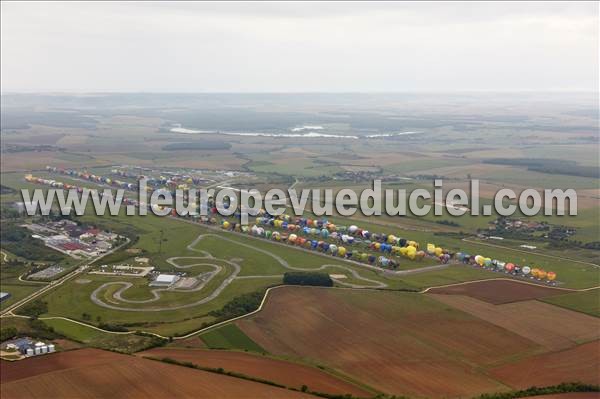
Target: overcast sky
point(294, 47)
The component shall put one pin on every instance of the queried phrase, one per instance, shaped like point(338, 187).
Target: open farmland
point(392, 341)
point(550, 326)
point(282, 372)
point(580, 363)
point(498, 291)
point(91, 373)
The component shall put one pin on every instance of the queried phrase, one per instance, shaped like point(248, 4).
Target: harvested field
point(285, 373)
point(92, 373)
point(576, 364)
point(570, 395)
point(552, 327)
point(499, 291)
point(399, 343)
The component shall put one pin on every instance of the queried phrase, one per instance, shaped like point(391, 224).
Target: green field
point(230, 337)
point(585, 302)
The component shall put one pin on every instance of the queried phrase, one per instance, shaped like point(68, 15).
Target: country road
point(79, 269)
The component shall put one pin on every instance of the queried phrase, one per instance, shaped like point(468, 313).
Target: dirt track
point(498, 291)
point(279, 371)
point(91, 373)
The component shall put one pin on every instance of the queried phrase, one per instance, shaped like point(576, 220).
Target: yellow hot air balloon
point(430, 248)
point(535, 272)
point(438, 251)
point(226, 224)
point(391, 239)
point(292, 237)
point(341, 251)
point(411, 252)
point(551, 276)
point(403, 251)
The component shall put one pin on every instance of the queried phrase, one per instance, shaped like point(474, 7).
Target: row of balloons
point(318, 231)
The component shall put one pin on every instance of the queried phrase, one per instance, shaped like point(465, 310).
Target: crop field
point(393, 342)
point(499, 291)
point(550, 326)
point(229, 337)
point(95, 373)
point(586, 301)
point(282, 372)
point(575, 364)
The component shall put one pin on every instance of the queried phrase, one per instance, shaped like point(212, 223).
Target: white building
point(164, 280)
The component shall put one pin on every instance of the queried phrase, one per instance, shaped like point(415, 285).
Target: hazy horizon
point(294, 47)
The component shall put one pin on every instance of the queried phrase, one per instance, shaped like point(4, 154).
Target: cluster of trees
point(34, 309)
point(19, 242)
point(308, 278)
point(200, 145)
point(448, 223)
point(238, 306)
point(550, 166)
point(8, 333)
point(536, 391)
point(35, 328)
point(220, 370)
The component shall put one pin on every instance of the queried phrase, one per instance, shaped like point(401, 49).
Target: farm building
point(164, 280)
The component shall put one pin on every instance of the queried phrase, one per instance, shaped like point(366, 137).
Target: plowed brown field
point(399, 343)
point(91, 373)
point(279, 371)
point(581, 363)
point(571, 395)
point(499, 291)
point(553, 327)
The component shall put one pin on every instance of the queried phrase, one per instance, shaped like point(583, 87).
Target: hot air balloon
point(509, 267)
point(341, 251)
point(352, 229)
point(226, 224)
point(438, 251)
point(292, 238)
point(551, 276)
point(526, 270)
point(542, 274)
point(430, 249)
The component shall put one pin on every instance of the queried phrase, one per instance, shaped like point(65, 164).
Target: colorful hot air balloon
point(551, 276)
point(542, 274)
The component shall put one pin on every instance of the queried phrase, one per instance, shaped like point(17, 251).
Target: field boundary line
point(425, 290)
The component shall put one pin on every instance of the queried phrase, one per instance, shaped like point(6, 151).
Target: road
point(56, 283)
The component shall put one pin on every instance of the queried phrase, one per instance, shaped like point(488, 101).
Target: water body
point(309, 134)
